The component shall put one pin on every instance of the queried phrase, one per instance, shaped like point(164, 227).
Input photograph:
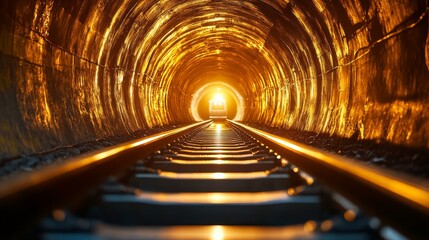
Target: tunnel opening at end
point(200, 103)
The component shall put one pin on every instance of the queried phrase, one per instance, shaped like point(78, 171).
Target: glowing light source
point(326, 225)
point(219, 98)
point(59, 215)
point(310, 226)
point(218, 175)
point(215, 197)
point(284, 162)
point(349, 215)
point(208, 92)
point(217, 233)
point(215, 175)
point(238, 162)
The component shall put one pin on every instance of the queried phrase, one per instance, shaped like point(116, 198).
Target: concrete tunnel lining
point(75, 71)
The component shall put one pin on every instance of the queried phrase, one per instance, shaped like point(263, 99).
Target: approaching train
point(217, 108)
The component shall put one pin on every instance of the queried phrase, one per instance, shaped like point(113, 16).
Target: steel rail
point(398, 200)
point(27, 196)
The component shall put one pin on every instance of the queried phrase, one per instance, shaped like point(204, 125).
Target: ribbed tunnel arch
point(75, 71)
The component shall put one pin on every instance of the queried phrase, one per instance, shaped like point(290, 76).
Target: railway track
point(213, 180)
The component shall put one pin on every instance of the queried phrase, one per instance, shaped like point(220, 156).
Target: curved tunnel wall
point(75, 71)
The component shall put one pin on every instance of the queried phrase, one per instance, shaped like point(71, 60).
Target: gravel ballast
point(412, 161)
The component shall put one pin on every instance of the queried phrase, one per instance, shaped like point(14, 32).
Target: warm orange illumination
point(215, 149)
point(175, 48)
point(218, 107)
point(208, 162)
point(219, 156)
point(144, 141)
point(215, 197)
point(59, 215)
point(294, 191)
point(203, 232)
point(219, 91)
point(219, 98)
point(217, 233)
point(326, 225)
point(216, 175)
point(310, 226)
point(349, 215)
point(308, 179)
point(74, 165)
point(284, 162)
point(387, 182)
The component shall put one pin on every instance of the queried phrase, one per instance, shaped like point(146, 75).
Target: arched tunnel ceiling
point(74, 71)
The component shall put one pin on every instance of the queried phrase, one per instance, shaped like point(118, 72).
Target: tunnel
point(78, 71)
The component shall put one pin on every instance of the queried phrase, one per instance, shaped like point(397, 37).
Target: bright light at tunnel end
point(205, 89)
point(218, 99)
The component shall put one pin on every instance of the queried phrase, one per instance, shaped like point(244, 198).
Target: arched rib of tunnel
point(75, 71)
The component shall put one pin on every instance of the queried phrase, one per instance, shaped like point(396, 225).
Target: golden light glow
point(216, 175)
point(208, 162)
point(308, 179)
point(143, 65)
point(383, 180)
point(326, 225)
point(284, 162)
point(217, 233)
point(203, 232)
point(59, 215)
point(141, 142)
point(214, 150)
point(215, 197)
point(295, 190)
point(218, 98)
point(70, 167)
point(202, 97)
point(310, 226)
point(349, 215)
point(219, 127)
point(219, 156)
